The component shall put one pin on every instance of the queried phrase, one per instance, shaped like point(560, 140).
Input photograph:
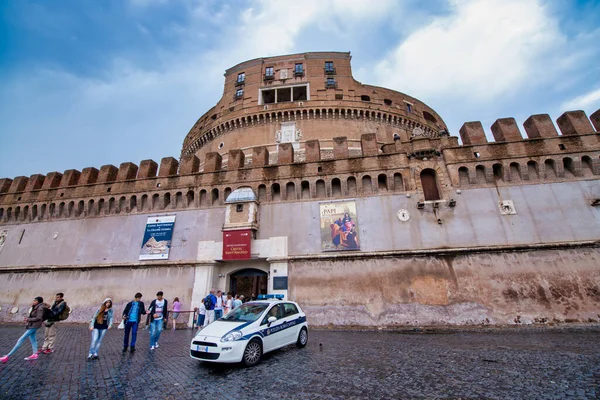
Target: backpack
point(48, 314)
point(207, 303)
point(65, 313)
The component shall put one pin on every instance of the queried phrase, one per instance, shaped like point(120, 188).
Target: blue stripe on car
point(269, 331)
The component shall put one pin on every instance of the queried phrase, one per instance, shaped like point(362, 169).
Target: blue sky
point(88, 83)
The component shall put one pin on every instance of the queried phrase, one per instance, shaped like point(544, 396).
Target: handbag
point(121, 325)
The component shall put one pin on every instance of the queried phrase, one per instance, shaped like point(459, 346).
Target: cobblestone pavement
point(532, 363)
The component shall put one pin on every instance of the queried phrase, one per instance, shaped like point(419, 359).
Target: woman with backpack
point(102, 321)
point(34, 322)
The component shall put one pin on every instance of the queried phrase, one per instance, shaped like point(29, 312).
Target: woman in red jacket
point(34, 322)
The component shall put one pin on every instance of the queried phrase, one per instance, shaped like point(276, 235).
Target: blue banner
point(157, 238)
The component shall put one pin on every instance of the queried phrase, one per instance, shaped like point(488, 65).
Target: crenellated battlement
point(303, 174)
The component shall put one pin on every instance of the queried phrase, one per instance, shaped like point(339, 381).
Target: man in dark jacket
point(158, 313)
point(50, 331)
point(132, 315)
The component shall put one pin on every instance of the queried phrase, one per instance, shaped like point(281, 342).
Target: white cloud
point(590, 99)
point(483, 49)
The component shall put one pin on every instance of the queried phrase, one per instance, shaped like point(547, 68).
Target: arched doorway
point(429, 183)
point(248, 281)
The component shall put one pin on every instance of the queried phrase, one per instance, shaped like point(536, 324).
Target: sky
point(84, 83)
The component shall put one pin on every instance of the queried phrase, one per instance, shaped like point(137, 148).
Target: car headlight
point(230, 337)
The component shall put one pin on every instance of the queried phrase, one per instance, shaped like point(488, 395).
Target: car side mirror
point(271, 320)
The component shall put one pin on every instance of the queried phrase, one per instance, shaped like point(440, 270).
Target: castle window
point(299, 93)
point(562, 146)
point(408, 108)
point(429, 183)
point(239, 93)
point(299, 69)
point(429, 117)
point(239, 207)
point(269, 72)
point(329, 69)
point(364, 97)
point(476, 154)
point(241, 78)
point(284, 94)
point(221, 145)
point(330, 83)
point(387, 102)
point(268, 96)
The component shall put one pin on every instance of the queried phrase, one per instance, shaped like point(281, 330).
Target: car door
point(273, 334)
point(291, 322)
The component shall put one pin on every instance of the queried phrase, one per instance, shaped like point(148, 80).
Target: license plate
point(202, 348)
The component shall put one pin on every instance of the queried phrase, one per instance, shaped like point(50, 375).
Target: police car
point(251, 330)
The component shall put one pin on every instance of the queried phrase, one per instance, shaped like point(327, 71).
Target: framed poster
point(339, 228)
point(157, 238)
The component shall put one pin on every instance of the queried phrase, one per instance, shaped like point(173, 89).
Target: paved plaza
point(528, 363)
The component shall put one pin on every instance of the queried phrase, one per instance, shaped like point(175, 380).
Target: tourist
point(176, 311)
point(102, 321)
point(201, 314)
point(209, 302)
point(131, 316)
point(58, 307)
point(158, 313)
point(237, 301)
point(228, 303)
point(219, 305)
point(34, 322)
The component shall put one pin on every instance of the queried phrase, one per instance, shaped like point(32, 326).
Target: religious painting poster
point(3, 235)
point(339, 226)
point(157, 238)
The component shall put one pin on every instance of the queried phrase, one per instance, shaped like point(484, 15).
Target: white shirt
point(202, 309)
point(158, 309)
point(219, 305)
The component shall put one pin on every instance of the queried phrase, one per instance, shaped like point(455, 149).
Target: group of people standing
point(215, 305)
point(101, 322)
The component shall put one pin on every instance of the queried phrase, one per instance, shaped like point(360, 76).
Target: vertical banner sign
point(157, 238)
point(236, 244)
point(339, 229)
point(3, 235)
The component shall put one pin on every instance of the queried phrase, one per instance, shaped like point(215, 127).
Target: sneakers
point(156, 345)
point(4, 359)
point(152, 347)
point(90, 357)
point(132, 349)
point(34, 356)
point(47, 351)
point(95, 357)
point(40, 351)
point(124, 349)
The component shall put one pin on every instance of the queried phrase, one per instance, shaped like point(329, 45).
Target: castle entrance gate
point(248, 281)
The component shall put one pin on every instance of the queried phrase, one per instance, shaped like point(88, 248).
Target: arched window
point(336, 188)
point(398, 182)
point(179, 200)
point(203, 198)
point(549, 169)
point(275, 192)
point(101, 206)
point(155, 201)
point(429, 183)
point(189, 198)
point(290, 191)
point(364, 97)
point(586, 166)
point(321, 189)
point(569, 167)
point(166, 200)
point(111, 205)
point(214, 196)
point(262, 193)
point(70, 208)
point(463, 176)
point(429, 117)
point(122, 205)
point(515, 172)
point(132, 204)
point(305, 188)
point(498, 172)
point(226, 193)
point(351, 184)
point(480, 175)
point(532, 171)
point(43, 210)
point(382, 183)
point(34, 211)
point(367, 186)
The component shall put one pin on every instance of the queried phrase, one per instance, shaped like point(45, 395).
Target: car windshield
point(248, 312)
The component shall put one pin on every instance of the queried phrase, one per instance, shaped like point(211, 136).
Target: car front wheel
point(252, 353)
point(302, 338)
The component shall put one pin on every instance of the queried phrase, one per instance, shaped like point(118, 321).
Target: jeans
point(133, 327)
point(201, 318)
point(156, 328)
point(218, 314)
point(97, 336)
point(29, 333)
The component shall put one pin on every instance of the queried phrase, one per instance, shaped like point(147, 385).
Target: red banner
point(236, 244)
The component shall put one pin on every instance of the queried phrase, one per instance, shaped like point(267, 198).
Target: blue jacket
point(110, 317)
point(141, 310)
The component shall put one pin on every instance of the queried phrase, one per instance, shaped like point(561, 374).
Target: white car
point(249, 331)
